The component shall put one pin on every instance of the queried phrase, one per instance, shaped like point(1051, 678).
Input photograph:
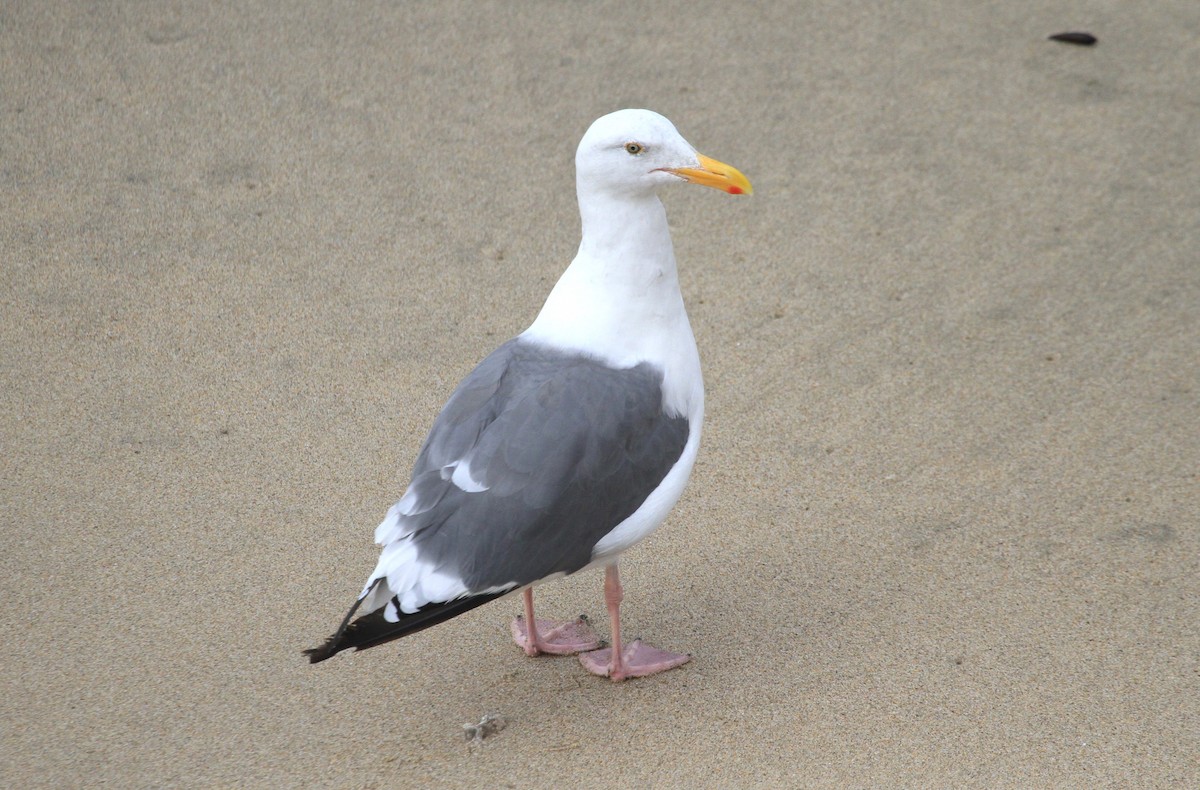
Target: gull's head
point(634, 152)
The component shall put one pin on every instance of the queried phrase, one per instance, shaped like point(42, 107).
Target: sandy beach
point(944, 530)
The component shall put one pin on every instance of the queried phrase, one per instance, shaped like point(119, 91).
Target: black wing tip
point(337, 642)
point(374, 629)
point(318, 654)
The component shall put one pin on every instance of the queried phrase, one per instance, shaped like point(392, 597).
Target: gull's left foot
point(638, 661)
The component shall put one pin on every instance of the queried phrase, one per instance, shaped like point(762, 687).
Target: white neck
point(619, 299)
point(625, 229)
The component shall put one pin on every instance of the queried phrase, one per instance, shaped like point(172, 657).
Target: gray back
point(567, 449)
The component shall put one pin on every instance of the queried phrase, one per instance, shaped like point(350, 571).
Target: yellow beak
point(717, 175)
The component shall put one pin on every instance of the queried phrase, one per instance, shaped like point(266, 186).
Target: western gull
point(569, 443)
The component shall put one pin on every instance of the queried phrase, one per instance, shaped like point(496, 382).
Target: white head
point(634, 152)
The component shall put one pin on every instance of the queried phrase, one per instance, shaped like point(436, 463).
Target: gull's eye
point(633, 149)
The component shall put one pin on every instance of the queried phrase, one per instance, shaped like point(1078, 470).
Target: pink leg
point(638, 659)
point(556, 637)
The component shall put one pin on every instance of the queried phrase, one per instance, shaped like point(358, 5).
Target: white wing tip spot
point(463, 479)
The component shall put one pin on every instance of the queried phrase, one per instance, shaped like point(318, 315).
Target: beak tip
point(717, 175)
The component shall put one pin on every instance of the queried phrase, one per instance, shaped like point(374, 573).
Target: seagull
point(569, 443)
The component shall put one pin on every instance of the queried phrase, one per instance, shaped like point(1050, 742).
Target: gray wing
point(560, 450)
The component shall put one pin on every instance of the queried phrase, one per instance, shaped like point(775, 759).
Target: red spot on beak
point(735, 190)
